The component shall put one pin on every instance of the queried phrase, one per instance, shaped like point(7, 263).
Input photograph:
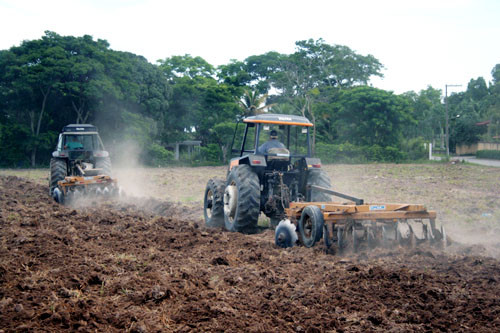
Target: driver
point(73, 143)
point(272, 143)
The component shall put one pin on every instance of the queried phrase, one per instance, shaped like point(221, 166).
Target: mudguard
point(252, 160)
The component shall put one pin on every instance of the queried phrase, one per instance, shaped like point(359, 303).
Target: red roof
point(483, 123)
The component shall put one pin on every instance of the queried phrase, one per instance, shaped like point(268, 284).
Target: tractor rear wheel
point(242, 199)
point(320, 178)
point(58, 171)
point(104, 163)
point(213, 203)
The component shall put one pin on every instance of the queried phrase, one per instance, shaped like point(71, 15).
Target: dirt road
point(481, 161)
point(149, 266)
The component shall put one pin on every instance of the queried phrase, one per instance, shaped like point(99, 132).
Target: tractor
point(80, 166)
point(265, 181)
point(281, 179)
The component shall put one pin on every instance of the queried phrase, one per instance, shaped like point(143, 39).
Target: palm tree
point(252, 103)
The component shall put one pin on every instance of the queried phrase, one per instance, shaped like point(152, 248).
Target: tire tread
point(248, 209)
point(58, 171)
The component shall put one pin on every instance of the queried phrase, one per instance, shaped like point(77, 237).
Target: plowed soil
point(145, 265)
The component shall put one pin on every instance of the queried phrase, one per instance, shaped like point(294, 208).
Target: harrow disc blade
point(403, 230)
point(354, 237)
point(428, 233)
point(417, 228)
point(357, 238)
point(326, 239)
point(340, 238)
point(388, 236)
point(370, 237)
point(77, 194)
point(69, 199)
point(285, 234)
point(58, 195)
point(121, 192)
point(443, 235)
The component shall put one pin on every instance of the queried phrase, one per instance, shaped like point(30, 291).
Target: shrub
point(211, 153)
point(349, 153)
point(415, 148)
point(339, 153)
point(491, 154)
point(158, 155)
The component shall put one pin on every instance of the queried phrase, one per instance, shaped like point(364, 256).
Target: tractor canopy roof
point(75, 128)
point(280, 119)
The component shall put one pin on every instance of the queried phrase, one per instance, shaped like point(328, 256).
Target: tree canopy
point(56, 80)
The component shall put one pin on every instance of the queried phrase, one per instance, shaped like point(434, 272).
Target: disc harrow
point(355, 225)
point(74, 188)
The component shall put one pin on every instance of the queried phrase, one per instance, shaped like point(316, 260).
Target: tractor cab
point(271, 140)
point(79, 137)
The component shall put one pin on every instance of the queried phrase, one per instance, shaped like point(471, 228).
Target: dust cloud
point(128, 169)
point(480, 239)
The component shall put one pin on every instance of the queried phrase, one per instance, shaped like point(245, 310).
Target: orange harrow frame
point(336, 212)
point(355, 222)
point(85, 182)
point(72, 188)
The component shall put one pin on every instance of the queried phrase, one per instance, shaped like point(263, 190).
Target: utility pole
point(447, 125)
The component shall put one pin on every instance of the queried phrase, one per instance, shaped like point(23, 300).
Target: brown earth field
point(146, 263)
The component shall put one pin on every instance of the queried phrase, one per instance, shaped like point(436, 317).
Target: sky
point(419, 42)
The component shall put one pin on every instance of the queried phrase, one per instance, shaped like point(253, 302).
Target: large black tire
point(244, 214)
point(104, 163)
point(213, 203)
point(320, 178)
point(58, 171)
point(311, 225)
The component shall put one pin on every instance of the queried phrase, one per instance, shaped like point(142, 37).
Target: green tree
point(495, 73)
point(222, 134)
point(370, 116)
point(493, 107)
point(199, 101)
point(48, 83)
point(428, 112)
point(477, 89)
point(463, 130)
point(186, 65)
point(31, 73)
point(252, 103)
point(235, 73)
point(314, 65)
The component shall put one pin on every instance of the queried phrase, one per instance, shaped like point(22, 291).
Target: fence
point(472, 149)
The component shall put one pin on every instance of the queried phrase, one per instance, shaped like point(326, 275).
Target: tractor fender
point(257, 161)
point(58, 154)
point(312, 163)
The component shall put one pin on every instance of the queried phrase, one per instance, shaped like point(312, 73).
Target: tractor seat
point(282, 151)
